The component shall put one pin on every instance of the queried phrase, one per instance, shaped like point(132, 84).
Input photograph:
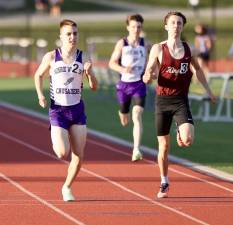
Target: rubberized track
point(109, 189)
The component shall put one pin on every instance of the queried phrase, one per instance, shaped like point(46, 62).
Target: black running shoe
point(163, 191)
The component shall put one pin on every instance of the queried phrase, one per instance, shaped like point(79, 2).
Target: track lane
point(138, 177)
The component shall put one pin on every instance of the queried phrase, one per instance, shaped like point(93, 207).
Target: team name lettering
point(67, 91)
point(61, 69)
point(64, 69)
point(132, 52)
point(183, 69)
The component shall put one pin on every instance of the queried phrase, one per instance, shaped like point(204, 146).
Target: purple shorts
point(66, 116)
point(128, 90)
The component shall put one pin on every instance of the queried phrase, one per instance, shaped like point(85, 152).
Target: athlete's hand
point(87, 67)
point(43, 102)
point(127, 69)
point(212, 98)
point(147, 78)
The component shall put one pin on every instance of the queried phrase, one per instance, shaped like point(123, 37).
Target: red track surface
point(110, 189)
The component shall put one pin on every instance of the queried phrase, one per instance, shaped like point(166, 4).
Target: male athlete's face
point(174, 26)
point(134, 28)
point(69, 35)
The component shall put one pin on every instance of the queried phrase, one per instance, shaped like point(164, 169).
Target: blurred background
point(28, 29)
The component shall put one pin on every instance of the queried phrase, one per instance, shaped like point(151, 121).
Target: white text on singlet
point(66, 83)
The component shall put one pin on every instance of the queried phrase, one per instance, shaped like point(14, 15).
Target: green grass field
point(212, 147)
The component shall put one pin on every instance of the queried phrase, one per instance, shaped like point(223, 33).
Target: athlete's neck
point(174, 43)
point(68, 52)
point(133, 40)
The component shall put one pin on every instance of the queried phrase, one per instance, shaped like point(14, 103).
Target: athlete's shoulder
point(49, 56)
point(119, 45)
point(188, 48)
point(120, 42)
point(158, 46)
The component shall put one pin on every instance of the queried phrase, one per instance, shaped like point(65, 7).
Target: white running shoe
point(137, 155)
point(67, 194)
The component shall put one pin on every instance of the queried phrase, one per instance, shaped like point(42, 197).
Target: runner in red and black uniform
point(170, 61)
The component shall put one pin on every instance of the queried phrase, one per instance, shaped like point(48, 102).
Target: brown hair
point(67, 22)
point(135, 17)
point(174, 14)
point(201, 29)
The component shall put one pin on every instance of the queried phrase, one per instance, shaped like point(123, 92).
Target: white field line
point(207, 170)
point(41, 200)
point(34, 148)
point(152, 162)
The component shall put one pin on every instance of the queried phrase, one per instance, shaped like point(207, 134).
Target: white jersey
point(134, 56)
point(66, 80)
point(202, 42)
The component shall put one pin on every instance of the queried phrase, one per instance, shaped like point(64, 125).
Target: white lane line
point(110, 148)
point(44, 202)
point(40, 123)
point(183, 162)
point(127, 154)
point(34, 148)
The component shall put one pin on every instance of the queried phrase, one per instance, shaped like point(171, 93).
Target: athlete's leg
point(185, 135)
point(184, 123)
point(163, 125)
point(60, 141)
point(164, 146)
point(137, 131)
point(78, 135)
point(124, 101)
point(137, 125)
point(124, 118)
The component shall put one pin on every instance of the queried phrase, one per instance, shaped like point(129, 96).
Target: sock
point(164, 179)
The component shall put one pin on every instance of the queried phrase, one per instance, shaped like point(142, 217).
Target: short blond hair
point(67, 22)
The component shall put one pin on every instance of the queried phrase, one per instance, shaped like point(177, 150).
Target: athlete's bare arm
point(114, 60)
point(201, 78)
point(42, 70)
point(152, 67)
point(90, 76)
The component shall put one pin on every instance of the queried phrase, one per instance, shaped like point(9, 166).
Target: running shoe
point(163, 191)
point(67, 194)
point(137, 155)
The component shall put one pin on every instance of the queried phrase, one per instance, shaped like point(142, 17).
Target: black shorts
point(168, 107)
point(205, 56)
point(137, 100)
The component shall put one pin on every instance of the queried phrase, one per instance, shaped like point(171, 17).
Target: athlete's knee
point(76, 159)
point(137, 113)
point(163, 147)
point(61, 153)
point(187, 141)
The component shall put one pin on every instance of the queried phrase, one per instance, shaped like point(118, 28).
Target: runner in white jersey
point(66, 112)
point(66, 80)
point(129, 59)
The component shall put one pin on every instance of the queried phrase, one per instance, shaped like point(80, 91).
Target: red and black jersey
point(175, 74)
